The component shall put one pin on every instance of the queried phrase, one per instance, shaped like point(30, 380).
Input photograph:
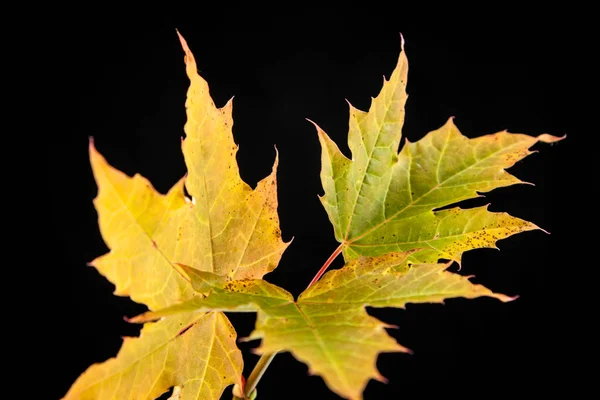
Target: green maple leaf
point(328, 327)
point(381, 201)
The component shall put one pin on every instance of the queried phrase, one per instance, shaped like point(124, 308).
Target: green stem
point(257, 373)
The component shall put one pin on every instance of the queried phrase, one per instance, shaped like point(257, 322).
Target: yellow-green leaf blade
point(446, 167)
point(328, 328)
point(374, 199)
point(314, 334)
point(194, 351)
point(232, 229)
point(334, 177)
point(139, 225)
point(387, 281)
point(443, 234)
point(373, 139)
point(240, 296)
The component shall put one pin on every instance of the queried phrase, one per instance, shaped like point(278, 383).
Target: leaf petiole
point(332, 257)
point(257, 373)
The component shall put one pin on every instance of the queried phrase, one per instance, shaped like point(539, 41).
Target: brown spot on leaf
point(181, 332)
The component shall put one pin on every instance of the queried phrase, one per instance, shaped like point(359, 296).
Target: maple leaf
point(196, 351)
point(328, 327)
point(382, 201)
point(227, 228)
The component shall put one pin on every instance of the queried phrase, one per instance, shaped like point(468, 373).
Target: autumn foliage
point(189, 259)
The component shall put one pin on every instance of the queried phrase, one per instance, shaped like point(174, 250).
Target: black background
point(123, 82)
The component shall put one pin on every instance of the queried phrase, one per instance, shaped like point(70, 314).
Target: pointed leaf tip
point(313, 122)
point(503, 297)
point(320, 132)
point(183, 42)
point(92, 146)
point(276, 162)
point(546, 138)
point(380, 378)
point(98, 163)
point(189, 59)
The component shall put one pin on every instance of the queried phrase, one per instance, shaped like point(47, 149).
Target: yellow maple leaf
point(226, 228)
